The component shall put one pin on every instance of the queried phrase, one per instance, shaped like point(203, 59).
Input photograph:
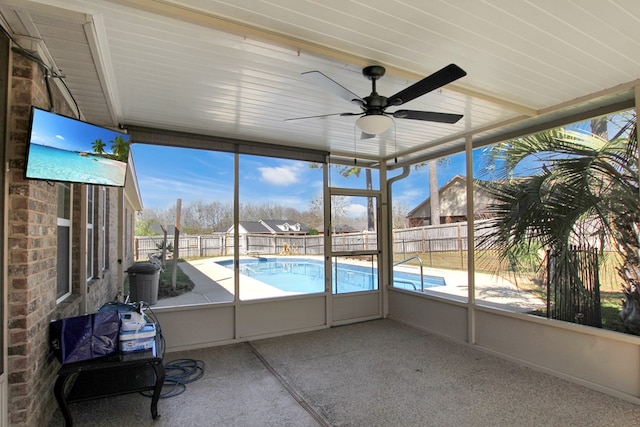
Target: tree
point(98, 146)
point(339, 206)
point(120, 148)
point(399, 216)
point(434, 194)
point(348, 171)
point(434, 188)
point(144, 227)
point(580, 187)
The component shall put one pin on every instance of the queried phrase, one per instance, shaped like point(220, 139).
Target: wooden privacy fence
point(573, 287)
point(221, 244)
point(446, 238)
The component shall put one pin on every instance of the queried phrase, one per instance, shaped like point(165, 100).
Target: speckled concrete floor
point(377, 373)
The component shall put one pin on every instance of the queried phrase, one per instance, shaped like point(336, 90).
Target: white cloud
point(280, 175)
point(60, 137)
point(355, 211)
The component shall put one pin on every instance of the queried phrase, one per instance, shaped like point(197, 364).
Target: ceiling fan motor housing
point(373, 72)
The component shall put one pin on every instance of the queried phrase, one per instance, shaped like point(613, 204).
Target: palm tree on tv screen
point(98, 146)
point(120, 148)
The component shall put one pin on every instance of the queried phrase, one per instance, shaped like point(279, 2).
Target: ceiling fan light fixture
point(374, 124)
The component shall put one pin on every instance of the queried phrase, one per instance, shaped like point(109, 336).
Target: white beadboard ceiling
point(233, 68)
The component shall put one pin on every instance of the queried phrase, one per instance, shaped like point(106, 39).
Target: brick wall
point(32, 256)
point(31, 263)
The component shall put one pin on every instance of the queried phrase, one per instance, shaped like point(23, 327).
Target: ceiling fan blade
point(428, 116)
point(330, 85)
point(315, 117)
point(322, 116)
point(438, 79)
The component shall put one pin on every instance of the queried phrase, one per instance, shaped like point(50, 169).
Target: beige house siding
point(453, 204)
point(32, 255)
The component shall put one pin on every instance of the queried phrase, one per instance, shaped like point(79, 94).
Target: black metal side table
point(114, 375)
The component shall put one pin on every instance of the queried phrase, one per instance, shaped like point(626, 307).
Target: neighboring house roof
point(249, 227)
point(453, 201)
point(271, 226)
point(344, 228)
point(285, 226)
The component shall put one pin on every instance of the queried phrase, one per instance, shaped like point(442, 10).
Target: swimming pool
point(304, 275)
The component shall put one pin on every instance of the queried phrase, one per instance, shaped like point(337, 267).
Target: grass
point(610, 293)
point(610, 307)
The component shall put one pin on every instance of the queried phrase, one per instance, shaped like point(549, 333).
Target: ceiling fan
point(374, 119)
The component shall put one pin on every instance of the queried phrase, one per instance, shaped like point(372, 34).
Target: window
point(104, 228)
point(578, 217)
point(430, 252)
point(280, 213)
point(128, 238)
point(90, 234)
point(63, 287)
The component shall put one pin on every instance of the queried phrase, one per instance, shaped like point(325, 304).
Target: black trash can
point(144, 278)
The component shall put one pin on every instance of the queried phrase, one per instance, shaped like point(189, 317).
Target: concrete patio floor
point(377, 373)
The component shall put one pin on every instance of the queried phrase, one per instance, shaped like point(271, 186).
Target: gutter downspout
point(471, 269)
point(405, 173)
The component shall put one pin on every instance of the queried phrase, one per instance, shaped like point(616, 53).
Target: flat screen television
point(69, 150)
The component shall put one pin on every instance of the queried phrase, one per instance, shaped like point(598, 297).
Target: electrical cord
point(179, 373)
point(49, 71)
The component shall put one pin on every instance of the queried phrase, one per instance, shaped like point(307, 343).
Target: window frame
point(90, 232)
point(61, 221)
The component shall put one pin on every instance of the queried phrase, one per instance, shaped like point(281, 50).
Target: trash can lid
point(143, 267)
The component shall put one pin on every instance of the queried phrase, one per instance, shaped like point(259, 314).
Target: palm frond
point(559, 187)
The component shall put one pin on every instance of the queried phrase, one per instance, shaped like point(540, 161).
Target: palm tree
point(98, 146)
point(580, 187)
point(434, 194)
point(434, 188)
point(120, 148)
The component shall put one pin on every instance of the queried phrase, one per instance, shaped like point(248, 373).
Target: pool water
point(302, 275)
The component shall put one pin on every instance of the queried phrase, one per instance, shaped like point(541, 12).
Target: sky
point(166, 174)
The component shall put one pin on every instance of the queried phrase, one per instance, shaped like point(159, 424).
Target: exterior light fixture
point(374, 124)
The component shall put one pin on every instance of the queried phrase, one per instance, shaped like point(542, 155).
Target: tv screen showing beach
point(64, 149)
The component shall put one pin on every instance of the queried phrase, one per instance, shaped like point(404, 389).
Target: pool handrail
point(421, 269)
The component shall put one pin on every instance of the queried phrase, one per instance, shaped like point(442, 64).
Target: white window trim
point(67, 222)
point(90, 219)
point(103, 231)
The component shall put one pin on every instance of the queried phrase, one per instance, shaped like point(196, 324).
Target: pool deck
point(214, 283)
